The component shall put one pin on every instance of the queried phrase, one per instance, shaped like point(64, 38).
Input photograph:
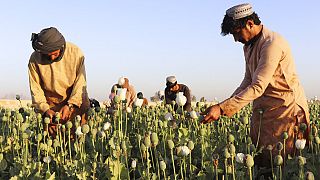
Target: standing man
point(270, 81)
point(171, 91)
point(57, 77)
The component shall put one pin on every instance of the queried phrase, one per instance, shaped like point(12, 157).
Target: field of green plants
point(145, 143)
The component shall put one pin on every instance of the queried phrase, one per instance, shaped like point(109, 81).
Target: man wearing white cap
point(123, 83)
point(172, 89)
point(270, 81)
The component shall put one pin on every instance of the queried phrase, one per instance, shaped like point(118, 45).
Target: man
point(57, 77)
point(171, 90)
point(123, 83)
point(145, 100)
point(270, 81)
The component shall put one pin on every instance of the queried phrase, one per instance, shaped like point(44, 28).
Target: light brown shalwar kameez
point(271, 82)
point(56, 84)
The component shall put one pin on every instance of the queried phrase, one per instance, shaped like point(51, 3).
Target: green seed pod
point(14, 131)
point(56, 143)
point(24, 127)
point(278, 160)
point(163, 165)
point(229, 169)
point(94, 132)
point(203, 131)
point(46, 120)
point(226, 153)
point(232, 149)
point(249, 161)
point(230, 138)
point(154, 139)
point(1, 156)
point(301, 161)
point(49, 143)
point(170, 144)
point(285, 135)
point(1, 139)
point(249, 140)
point(143, 147)
point(303, 127)
point(124, 146)
point(4, 118)
point(19, 117)
point(69, 124)
point(78, 118)
point(279, 146)
point(245, 119)
point(147, 141)
point(116, 99)
point(39, 137)
point(85, 128)
point(90, 123)
point(190, 145)
point(57, 115)
point(25, 136)
point(317, 140)
point(39, 116)
point(45, 133)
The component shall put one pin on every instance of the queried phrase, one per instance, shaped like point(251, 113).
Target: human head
point(123, 82)
point(49, 42)
point(140, 95)
point(171, 83)
point(238, 18)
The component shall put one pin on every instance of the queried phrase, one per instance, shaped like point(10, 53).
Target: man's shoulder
point(72, 48)
point(35, 57)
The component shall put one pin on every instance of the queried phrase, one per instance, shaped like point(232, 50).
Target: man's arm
point(37, 93)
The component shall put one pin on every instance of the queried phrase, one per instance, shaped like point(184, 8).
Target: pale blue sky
point(147, 40)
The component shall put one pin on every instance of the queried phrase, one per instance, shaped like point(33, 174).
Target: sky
point(148, 40)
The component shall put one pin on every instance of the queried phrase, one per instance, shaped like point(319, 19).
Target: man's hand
point(212, 113)
point(65, 113)
point(49, 113)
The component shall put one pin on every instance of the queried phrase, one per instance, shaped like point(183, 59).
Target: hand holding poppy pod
point(65, 112)
point(212, 113)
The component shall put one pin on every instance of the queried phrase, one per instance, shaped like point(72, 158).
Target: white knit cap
point(240, 11)
point(121, 81)
point(171, 79)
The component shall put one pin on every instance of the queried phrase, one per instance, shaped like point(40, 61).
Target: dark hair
point(140, 95)
point(229, 24)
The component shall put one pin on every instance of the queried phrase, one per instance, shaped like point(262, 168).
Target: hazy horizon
point(148, 40)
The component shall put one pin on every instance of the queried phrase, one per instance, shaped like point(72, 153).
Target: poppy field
point(152, 142)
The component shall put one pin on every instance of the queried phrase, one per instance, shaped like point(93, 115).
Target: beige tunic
point(56, 84)
point(271, 82)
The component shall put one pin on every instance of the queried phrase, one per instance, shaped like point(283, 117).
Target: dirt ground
point(13, 104)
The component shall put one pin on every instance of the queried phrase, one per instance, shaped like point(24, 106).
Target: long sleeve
point(37, 94)
point(79, 86)
point(271, 54)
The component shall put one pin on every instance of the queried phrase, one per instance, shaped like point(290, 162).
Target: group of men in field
point(58, 81)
